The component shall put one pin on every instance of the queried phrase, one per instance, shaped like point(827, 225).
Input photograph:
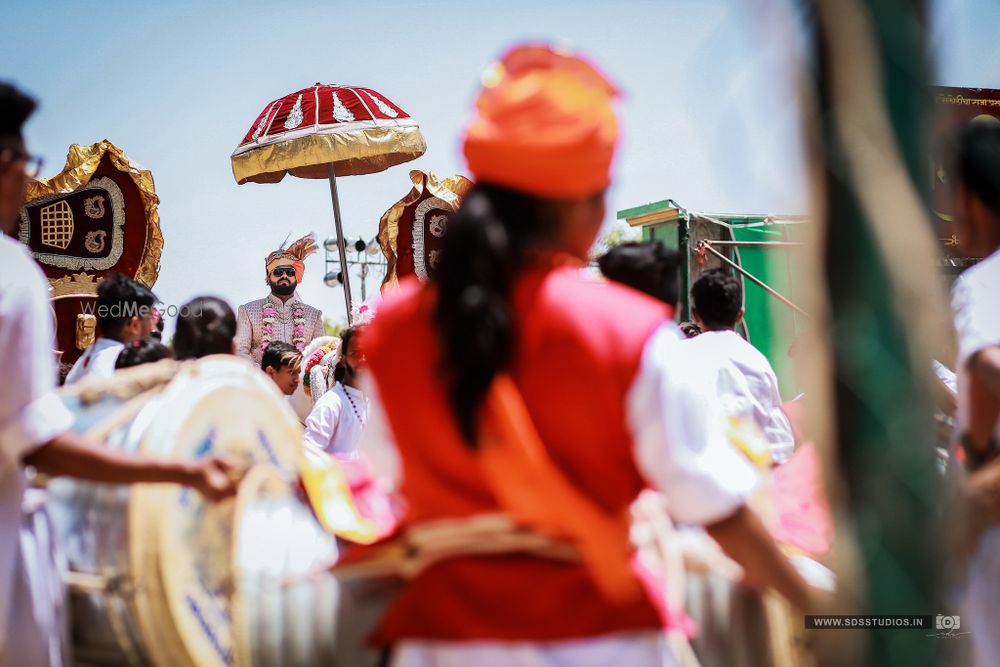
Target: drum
point(736, 625)
point(732, 622)
point(158, 576)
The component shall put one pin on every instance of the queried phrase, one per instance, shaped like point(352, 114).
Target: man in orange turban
point(281, 316)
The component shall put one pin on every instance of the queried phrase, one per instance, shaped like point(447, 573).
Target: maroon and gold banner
point(97, 216)
point(411, 232)
point(954, 106)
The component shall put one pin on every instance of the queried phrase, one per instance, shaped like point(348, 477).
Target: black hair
point(119, 299)
point(340, 369)
point(206, 325)
point(278, 354)
point(976, 160)
point(486, 245)
point(141, 351)
point(718, 298)
point(15, 109)
point(648, 267)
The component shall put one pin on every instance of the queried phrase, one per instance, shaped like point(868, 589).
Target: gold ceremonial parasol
point(412, 231)
point(326, 131)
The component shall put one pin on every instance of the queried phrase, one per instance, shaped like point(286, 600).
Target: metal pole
point(758, 244)
point(707, 245)
point(341, 243)
point(683, 240)
point(364, 278)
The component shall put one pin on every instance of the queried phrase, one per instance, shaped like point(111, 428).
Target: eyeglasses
point(283, 271)
point(32, 163)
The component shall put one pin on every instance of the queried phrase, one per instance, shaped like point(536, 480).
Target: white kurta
point(337, 421)
point(30, 415)
point(745, 384)
point(976, 303)
point(680, 448)
point(98, 360)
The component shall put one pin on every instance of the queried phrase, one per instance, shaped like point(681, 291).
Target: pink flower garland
point(268, 317)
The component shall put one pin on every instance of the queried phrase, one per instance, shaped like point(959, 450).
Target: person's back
point(740, 376)
point(512, 385)
point(579, 346)
point(745, 385)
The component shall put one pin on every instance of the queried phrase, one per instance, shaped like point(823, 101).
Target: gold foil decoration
point(75, 285)
point(452, 190)
point(352, 153)
point(85, 327)
point(81, 163)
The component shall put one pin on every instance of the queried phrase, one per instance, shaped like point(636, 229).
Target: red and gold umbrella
point(325, 131)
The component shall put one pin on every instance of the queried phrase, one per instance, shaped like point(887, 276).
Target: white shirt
point(98, 360)
point(976, 304)
point(975, 300)
point(681, 449)
point(745, 384)
point(338, 420)
point(30, 413)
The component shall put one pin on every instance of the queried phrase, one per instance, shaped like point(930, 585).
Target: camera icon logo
point(947, 622)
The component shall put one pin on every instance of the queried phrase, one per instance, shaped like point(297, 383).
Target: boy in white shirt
point(125, 313)
point(740, 375)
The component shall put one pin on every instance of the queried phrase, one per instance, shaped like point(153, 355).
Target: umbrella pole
point(341, 243)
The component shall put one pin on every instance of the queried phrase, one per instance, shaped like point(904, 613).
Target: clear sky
point(709, 114)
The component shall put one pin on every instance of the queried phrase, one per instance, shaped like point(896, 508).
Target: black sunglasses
point(283, 271)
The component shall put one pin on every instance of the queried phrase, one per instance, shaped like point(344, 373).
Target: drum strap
point(429, 542)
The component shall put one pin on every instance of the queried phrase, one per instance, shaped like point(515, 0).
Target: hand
point(216, 478)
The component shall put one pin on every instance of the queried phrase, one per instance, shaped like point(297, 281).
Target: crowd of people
point(526, 387)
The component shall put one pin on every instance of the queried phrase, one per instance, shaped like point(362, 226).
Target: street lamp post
point(364, 257)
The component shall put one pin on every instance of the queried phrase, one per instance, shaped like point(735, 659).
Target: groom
point(281, 316)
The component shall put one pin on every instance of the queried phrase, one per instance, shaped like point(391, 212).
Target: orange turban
point(294, 256)
point(544, 124)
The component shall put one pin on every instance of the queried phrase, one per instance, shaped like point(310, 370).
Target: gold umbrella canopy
point(356, 130)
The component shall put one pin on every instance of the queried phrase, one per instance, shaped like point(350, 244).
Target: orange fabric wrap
point(530, 488)
point(276, 259)
point(293, 256)
point(570, 332)
point(544, 124)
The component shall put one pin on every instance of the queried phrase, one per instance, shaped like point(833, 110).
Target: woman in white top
point(338, 419)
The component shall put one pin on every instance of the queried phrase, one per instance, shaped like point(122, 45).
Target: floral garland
point(268, 317)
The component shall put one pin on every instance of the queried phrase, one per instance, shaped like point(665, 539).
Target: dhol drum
point(159, 576)
point(738, 626)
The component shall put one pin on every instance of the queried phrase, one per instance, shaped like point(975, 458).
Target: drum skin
point(170, 579)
